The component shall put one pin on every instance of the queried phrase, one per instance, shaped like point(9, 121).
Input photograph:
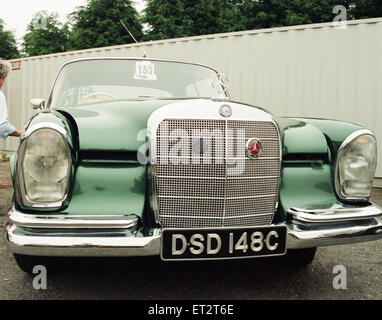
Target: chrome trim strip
point(250, 178)
point(250, 215)
point(189, 217)
point(280, 164)
point(220, 178)
point(220, 198)
point(340, 151)
point(217, 218)
point(355, 135)
point(226, 168)
point(72, 221)
point(334, 214)
point(138, 58)
point(220, 138)
point(189, 177)
point(155, 193)
point(44, 125)
point(218, 158)
point(203, 109)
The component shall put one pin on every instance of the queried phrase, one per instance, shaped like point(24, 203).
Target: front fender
point(309, 156)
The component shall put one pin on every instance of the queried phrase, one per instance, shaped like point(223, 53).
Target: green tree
point(97, 24)
point(275, 13)
point(364, 9)
point(8, 48)
point(180, 18)
point(45, 35)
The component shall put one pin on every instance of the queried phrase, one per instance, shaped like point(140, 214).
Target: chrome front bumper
point(121, 236)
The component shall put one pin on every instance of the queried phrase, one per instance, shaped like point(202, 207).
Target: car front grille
point(203, 178)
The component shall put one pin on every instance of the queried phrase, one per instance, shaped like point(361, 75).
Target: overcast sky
point(18, 13)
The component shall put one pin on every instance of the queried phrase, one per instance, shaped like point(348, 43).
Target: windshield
point(97, 81)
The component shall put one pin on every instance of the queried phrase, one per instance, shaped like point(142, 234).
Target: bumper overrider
point(91, 236)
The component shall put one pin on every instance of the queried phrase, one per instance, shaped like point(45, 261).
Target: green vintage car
point(145, 157)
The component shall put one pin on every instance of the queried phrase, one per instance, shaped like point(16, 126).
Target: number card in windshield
point(145, 70)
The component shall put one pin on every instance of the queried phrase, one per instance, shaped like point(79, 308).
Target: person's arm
point(16, 133)
point(6, 129)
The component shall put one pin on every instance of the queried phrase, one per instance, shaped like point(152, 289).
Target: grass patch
point(4, 157)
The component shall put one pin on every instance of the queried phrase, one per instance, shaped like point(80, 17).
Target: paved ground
point(6, 189)
point(150, 278)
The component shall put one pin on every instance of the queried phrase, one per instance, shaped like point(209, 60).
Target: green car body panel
point(123, 186)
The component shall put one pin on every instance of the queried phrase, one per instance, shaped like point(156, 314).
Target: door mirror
point(38, 104)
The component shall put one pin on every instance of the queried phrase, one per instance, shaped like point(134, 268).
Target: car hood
point(113, 126)
point(121, 125)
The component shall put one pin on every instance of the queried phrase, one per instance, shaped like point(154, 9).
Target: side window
point(71, 96)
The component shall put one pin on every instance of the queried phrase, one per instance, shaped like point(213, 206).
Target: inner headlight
point(356, 165)
point(46, 165)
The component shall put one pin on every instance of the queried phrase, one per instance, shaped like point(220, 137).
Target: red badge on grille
point(254, 148)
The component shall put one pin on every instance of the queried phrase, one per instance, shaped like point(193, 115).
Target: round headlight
point(356, 165)
point(46, 165)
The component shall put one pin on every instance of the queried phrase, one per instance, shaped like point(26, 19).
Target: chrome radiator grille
point(204, 178)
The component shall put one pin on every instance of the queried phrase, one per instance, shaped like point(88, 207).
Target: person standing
point(6, 129)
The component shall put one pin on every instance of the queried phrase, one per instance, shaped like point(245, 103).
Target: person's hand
point(17, 133)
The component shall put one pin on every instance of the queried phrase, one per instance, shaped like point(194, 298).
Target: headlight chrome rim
point(343, 148)
point(21, 194)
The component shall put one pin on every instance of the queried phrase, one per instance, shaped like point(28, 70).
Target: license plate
point(191, 244)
